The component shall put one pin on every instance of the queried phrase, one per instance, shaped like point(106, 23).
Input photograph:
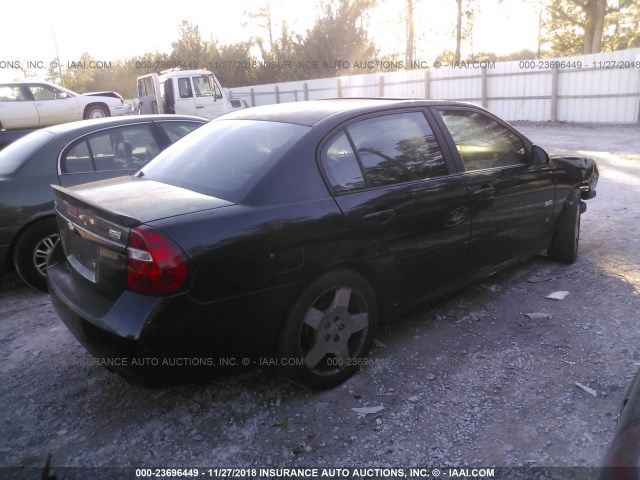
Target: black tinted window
point(224, 158)
point(397, 148)
point(482, 142)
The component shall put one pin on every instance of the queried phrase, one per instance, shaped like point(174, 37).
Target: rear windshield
point(14, 155)
point(224, 158)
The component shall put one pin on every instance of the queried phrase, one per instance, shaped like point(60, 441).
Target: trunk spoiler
point(112, 216)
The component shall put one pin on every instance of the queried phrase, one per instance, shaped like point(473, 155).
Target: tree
point(190, 49)
point(595, 11)
point(340, 35)
point(79, 76)
point(621, 28)
point(411, 46)
point(458, 31)
point(238, 60)
point(576, 27)
point(465, 17)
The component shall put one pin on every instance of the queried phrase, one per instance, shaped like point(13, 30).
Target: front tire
point(96, 111)
point(329, 330)
point(564, 246)
point(32, 250)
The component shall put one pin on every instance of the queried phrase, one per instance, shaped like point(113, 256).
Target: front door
point(209, 102)
point(511, 197)
point(54, 105)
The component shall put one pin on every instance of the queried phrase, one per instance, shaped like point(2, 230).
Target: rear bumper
point(157, 341)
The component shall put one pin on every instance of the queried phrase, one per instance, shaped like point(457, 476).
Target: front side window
point(202, 86)
point(482, 142)
point(124, 148)
point(206, 86)
point(45, 92)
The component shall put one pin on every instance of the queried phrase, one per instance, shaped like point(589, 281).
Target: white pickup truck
point(185, 92)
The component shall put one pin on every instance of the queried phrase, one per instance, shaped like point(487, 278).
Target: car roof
point(115, 121)
point(310, 113)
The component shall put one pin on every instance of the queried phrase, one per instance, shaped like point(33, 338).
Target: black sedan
point(69, 154)
point(280, 235)
point(622, 460)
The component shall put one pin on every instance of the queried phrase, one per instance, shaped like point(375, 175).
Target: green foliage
point(570, 26)
point(340, 35)
point(621, 30)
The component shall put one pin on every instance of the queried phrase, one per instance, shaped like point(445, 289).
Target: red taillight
point(155, 264)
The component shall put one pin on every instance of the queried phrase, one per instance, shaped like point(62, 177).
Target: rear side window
point(382, 151)
point(123, 148)
point(11, 93)
point(224, 158)
point(184, 87)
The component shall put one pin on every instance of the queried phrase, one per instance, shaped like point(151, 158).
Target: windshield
point(14, 155)
point(224, 158)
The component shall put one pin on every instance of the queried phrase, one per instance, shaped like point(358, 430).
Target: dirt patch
point(467, 380)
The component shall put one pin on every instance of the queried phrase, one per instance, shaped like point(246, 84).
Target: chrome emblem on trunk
point(115, 234)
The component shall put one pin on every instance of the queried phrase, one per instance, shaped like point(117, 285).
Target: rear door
point(17, 108)
point(393, 184)
point(511, 198)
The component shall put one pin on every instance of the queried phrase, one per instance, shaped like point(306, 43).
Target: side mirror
point(539, 156)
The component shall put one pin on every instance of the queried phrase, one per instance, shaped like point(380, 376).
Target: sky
point(124, 29)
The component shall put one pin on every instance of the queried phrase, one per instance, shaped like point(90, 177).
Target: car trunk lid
point(99, 221)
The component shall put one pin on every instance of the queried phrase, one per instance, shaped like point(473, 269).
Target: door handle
point(199, 106)
point(484, 192)
point(381, 217)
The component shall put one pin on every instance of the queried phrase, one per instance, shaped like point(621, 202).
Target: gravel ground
point(469, 380)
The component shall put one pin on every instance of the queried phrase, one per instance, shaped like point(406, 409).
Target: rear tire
point(329, 330)
point(32, 250)
point(96, 111)
point(564, 246)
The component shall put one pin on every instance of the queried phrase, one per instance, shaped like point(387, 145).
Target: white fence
point(599, 88)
